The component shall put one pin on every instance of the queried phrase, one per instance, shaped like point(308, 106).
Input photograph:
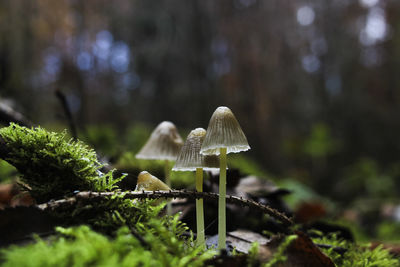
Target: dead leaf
point(302, 252)
point(309, 211)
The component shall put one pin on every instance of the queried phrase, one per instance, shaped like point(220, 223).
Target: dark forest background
point(314, 84)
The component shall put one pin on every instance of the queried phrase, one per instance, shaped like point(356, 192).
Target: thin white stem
point(222, 200)
point(199, 208)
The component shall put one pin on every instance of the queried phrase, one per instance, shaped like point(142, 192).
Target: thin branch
point(94, 196)
point(63, 100)
point(7, 115)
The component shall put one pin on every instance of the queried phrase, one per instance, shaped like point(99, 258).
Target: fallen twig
point(93, 196)
point(7, 115)
point(63, 100)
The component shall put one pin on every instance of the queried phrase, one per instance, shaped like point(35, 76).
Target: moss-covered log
point(51, 165)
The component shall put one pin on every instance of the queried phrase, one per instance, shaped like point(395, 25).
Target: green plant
point(140, 236)
point(52, 166)
point(252, 254)
point(81, 246)
point(356, 255)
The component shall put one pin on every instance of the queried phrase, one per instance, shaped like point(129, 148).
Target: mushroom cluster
point(199, 152)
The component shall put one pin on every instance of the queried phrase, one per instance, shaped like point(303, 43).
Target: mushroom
point(148, 182)
point(190, 159)
point(224, 135)
point(163, 144)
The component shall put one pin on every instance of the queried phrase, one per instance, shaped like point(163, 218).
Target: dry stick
point(7, 115)
point(94, 196)
point(61, 97)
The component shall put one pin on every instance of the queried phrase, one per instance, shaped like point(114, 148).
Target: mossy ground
point(119, 231)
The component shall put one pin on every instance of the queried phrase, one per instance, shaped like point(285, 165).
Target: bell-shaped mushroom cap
point(164, 143)
point(148, 182)
point(224, 131)
point(190, 158)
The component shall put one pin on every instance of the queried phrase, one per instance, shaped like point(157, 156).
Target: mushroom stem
point(168, 182)
point(199, 208)
point(222, 200)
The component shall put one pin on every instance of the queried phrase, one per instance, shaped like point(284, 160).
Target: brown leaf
point(7, 191)
point(302, 252)
point(22, 199)
point(309, 211)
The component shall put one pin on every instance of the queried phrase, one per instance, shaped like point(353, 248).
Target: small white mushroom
point(224, 131)
point(190, 159)
point(224, 135)
point(163, 144)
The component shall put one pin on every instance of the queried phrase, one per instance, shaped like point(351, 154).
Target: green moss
point(51, 165)
point(356, 255)
point(7, 171)
point(81, 246)
point(161, 242)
